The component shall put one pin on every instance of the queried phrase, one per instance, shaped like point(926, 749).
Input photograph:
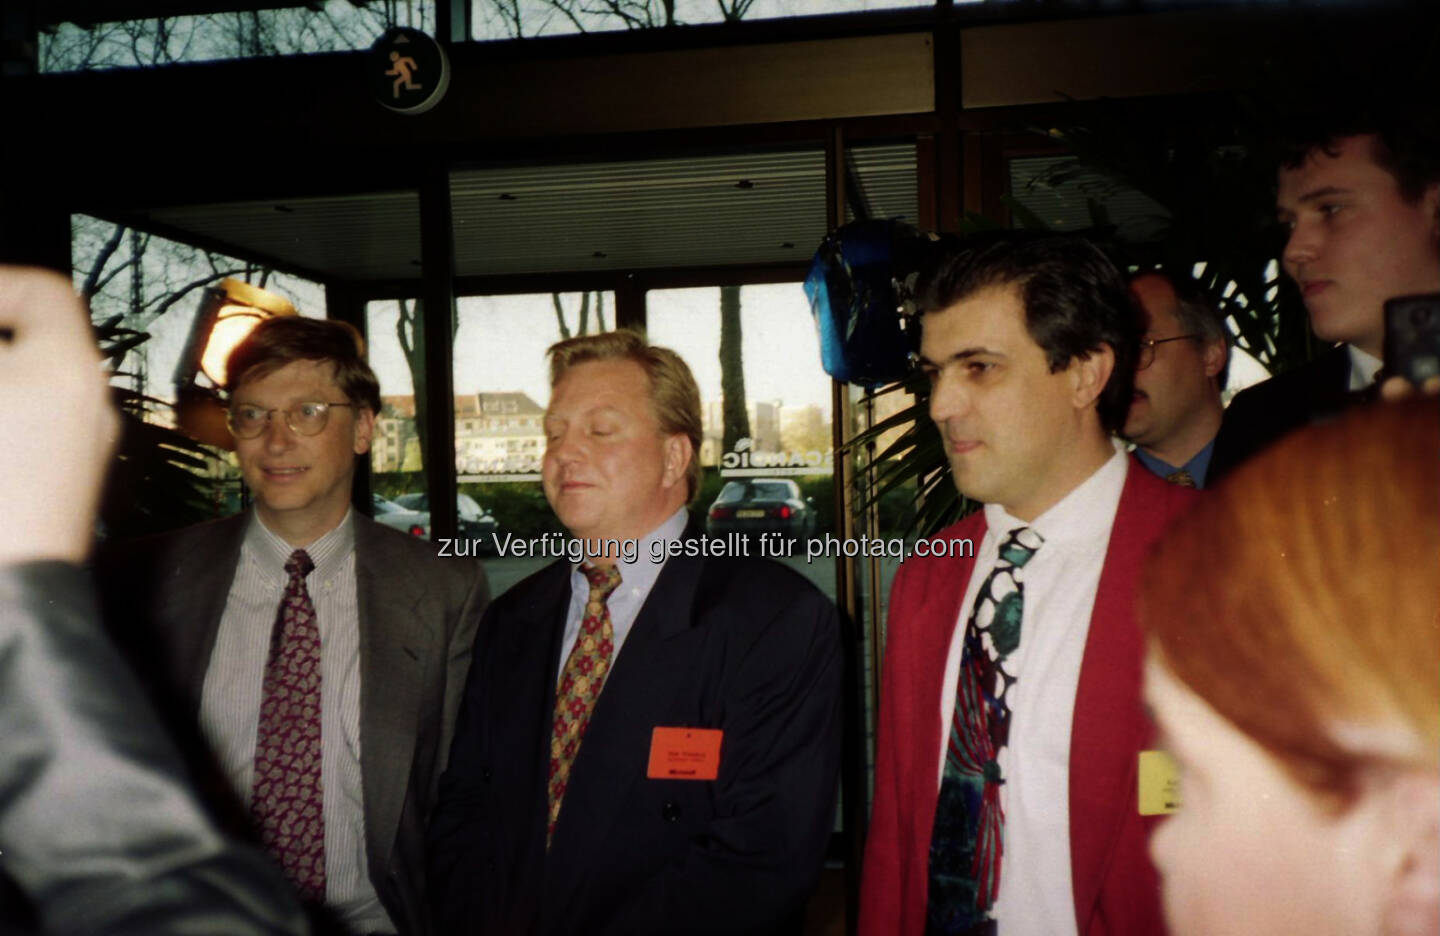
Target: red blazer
point(1116, 889)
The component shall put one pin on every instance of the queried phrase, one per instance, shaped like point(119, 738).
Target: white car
point(410, 513)
point(391, 514)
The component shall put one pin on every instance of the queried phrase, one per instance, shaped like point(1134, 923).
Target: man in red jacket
point(1010, 726)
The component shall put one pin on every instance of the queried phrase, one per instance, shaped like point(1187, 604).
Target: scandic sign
point(732, 464)
point(751, 464)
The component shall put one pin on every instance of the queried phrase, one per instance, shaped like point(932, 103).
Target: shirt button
point(670, 812)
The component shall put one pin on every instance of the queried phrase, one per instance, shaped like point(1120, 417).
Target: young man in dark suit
point(321, 654)
point(649, 741)
point(1360, 196)
point(1010, 723)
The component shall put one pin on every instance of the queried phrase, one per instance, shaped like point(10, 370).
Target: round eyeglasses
point(1147, 349)
point(306, 419)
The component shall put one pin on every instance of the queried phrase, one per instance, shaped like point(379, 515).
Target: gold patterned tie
point(1181, 477)
point(580, 683)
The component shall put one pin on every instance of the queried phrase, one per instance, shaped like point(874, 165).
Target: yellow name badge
point(1159, 784)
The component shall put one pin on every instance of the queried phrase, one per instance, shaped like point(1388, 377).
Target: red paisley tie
point(286, 798)
point(580, 683)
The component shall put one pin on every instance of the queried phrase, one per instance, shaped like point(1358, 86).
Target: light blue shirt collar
point(1196, 467)
point(637, 578)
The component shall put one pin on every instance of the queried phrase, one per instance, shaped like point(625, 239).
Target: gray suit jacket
point(164, 598)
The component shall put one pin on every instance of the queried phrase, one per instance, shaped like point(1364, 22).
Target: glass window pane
point(395, 328)
point(772, 442)
point(502, 387)
point(331, 26)
point(509, 19)
point(148, 288)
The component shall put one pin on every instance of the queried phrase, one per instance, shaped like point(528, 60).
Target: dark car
point(475, 522)
point(761, 505)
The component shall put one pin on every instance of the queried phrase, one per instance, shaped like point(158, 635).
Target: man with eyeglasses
point(1176, 411)
point(321, 654)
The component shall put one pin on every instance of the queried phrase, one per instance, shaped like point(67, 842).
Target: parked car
point(475, 521)
point(391, 514)
point(761, 505)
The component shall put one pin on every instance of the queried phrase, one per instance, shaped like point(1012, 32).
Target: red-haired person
point(1294, 673)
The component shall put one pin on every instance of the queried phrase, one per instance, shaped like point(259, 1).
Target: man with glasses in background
point(1184, 357)
point(321, 655)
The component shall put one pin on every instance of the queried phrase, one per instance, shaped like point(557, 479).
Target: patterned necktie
point(286, 799)
point(1181, 477)
point(580, 683)
point(967, 840)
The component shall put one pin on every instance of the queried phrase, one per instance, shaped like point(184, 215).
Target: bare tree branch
point(92, 279)
point(105, 280)
point(401, 333)
point(560, 315)
point(169, 299)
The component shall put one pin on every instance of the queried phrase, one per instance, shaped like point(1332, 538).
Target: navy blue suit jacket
point(744, 646)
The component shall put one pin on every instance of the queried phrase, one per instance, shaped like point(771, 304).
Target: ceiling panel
point(729, 209)
point(361, 237)
point(706, 210)
point(887, 176)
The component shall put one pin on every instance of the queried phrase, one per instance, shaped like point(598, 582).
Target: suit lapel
point(523, 680)
point(199, 574)
point(647, 675)
point(1109, 726)
point(393, 643)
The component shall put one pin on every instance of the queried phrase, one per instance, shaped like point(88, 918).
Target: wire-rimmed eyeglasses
point(1147, 349)
point(306, 419)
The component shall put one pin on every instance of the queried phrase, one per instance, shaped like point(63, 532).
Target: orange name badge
point(685, 754)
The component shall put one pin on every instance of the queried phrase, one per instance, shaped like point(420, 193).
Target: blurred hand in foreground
point(59, 425)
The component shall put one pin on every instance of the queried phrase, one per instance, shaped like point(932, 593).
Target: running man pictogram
point(404, 68)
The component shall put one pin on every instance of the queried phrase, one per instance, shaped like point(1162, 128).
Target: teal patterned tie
point(967, 839)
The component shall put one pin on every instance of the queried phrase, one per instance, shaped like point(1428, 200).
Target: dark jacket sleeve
point(97, 826)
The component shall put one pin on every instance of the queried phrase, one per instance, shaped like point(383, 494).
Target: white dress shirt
point(1036, 892)
point(625, 602)
point(230, 699)
point(1363, 367)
